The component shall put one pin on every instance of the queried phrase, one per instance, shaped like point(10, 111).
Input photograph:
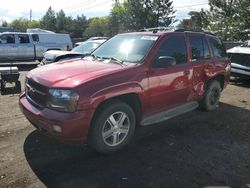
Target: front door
point(8, 47)
point(25, 47)
point(171, 85)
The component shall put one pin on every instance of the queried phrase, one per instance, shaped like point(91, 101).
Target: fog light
point(57, 128)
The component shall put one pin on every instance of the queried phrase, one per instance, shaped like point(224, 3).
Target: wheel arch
point(220, 78)
point(131, 99)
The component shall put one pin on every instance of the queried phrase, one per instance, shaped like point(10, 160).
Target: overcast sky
point(13, 9)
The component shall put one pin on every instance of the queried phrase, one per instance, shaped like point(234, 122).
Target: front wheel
point(112, 128)
point(211, 98)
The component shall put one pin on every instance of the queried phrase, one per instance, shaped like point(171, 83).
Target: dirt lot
point(198, 149)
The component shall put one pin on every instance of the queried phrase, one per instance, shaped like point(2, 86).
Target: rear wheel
point(212, 96)
point(112, 128)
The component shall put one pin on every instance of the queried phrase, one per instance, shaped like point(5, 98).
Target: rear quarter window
point(199, 46)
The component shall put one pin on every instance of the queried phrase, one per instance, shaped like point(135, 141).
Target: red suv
point(132, 79)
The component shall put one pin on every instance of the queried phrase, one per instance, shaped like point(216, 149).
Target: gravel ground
point(198, 149)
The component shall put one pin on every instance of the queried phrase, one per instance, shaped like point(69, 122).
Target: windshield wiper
point(88, 54)
point(115, 60)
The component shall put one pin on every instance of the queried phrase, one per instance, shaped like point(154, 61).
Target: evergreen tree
point(48, 21)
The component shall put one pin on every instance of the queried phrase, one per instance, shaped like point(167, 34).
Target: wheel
point(211, 98)
point(113, 127)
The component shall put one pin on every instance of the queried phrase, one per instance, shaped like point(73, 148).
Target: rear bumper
point(74, 126)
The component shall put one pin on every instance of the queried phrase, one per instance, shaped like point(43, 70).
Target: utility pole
point(30, 15)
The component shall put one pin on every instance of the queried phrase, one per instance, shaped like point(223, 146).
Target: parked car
point(132, 79)
point(240, 58)
point(91, 38)
point(58, 55)
point(16, 46)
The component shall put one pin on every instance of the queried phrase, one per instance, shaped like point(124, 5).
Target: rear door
point(170, 86)
point(25, 47)
point(8, 47)
point(201, 61)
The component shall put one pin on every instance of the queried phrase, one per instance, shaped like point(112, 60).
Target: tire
point(107, 134)
point(211, 98)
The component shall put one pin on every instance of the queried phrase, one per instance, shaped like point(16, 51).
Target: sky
point(13, 9)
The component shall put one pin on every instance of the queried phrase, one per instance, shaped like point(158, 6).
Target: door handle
point(186, 73)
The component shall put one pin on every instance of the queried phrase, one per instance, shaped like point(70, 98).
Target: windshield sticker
point(154, 38)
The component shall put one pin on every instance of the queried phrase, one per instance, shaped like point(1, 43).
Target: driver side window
point(173, 47)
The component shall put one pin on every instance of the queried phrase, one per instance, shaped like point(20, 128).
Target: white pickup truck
point(16, 46)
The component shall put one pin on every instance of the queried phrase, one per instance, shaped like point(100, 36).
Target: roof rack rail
point(156, 29)
point(175, 29)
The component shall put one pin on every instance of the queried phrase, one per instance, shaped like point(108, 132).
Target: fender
point(114, 91)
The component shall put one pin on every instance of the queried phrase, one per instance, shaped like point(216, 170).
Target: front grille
point(241, 59)
point(36, 93)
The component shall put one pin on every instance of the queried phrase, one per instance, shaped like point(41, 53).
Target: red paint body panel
point(95, 82)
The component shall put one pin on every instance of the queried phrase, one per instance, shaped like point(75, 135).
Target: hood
point(70, 74)
point(239, 50)
point(52, 54)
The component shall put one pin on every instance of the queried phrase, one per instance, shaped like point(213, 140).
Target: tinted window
point(174, 46)
point(35, 38)
point(23, 38)
point(199, 48)
point(7, 39)
point(218, 48)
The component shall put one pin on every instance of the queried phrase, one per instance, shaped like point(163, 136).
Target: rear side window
point(174, 46)
point(35, 38)
point(7, 39)
point(199, 48)
point(217, 47)
point(23, 39)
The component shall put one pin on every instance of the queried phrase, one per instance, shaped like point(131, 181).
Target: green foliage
point(78, 26)
point(229, 19)
point(97, 26)
point(197, 21)
point(48, 21)
point(4, 24)
point(134, 15)
point(22, 24)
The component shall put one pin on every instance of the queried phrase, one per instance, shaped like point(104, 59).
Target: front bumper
point(74, 126)
point(239, 70)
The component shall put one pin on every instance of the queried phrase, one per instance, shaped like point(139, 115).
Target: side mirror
point(166, 61)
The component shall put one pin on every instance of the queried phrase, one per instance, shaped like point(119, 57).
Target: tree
point(48, 21)
point(135, 15)
point(97, 26)
point(243, 19)
point(22, 24)
point(197, 21)
point(222, 16)
point(79, 25)
point(163, 10)
point(4, 24)
point(116, 18)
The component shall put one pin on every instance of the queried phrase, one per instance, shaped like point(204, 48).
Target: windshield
point(128, 47)
point(86, 47)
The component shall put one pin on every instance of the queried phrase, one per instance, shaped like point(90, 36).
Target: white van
point(16, 46)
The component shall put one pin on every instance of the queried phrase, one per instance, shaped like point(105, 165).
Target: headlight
point(63, 100)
